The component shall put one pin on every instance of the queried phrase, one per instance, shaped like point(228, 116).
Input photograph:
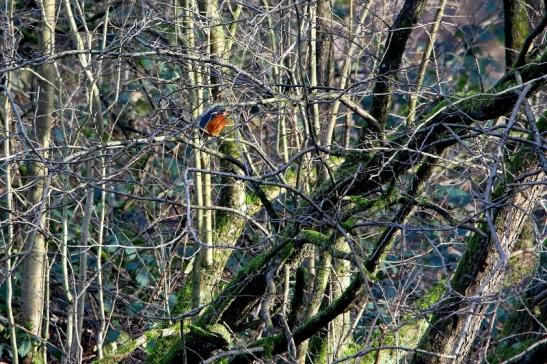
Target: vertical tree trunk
point(517, 26)
point(320, 283)
point(344, 76)
point(204, 261)
point(101, 332)
point(392, 58)
point(8, 233)
point(217, 43)
point(425, 60)
point(339, 336)
point(95, 109)
point(228, 226)
point(196, 100)
point(216, 46)
point(34, 269)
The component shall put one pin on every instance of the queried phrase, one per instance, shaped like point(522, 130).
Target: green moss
point(221, 331)
point(211, 315)
point(350, 223)
point(432, 296)
point(542, 122)
point(287, 252)
point(477, 103)
point(251, 199)
point(270, 190)
point(351, 348)
point(348, 169)
point(467, 264)
point(382, 204)
point(408, 335)
point(361, 203)
point(464, 94)
point(221, 221)
point(470, 101)
point(290, 174)
point(184, 299)
point(127, 347)
point(88, 133)
point(437, 108)
point(318, 351)
point(172, 354)
point(216, 334)
point(527, 237)
point(521, 26)
point(520, 267)
point(314, 237)
point(204, 341)
point(157, 347)
point(375, 264)
point(257, 262)
point(336, 160)
point(267, 344)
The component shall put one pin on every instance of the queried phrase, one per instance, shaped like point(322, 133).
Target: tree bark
point(34, 269)
point(516, 28)
point(480, 273)
point(391, 60)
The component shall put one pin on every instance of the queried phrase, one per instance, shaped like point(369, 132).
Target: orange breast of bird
point(216, 124)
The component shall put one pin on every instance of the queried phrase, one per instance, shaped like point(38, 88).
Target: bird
point(213, 120)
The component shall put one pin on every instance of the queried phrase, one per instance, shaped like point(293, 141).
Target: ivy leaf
point(142, 278)
point(24, 347)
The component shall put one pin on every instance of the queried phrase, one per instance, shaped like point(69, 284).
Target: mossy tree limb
point(516, 28)
point(321, 281)
point(523, 327)
point(277, 344)
point(481, 270)
point(228, 226)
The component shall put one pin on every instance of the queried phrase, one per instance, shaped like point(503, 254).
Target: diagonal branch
point(391, 61)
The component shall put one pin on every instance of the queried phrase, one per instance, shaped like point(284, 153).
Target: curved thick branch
point(391, 61)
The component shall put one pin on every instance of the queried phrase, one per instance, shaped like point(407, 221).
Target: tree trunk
point(393, 56)
point(34, 269)
point(516, 28)
point(480, 274)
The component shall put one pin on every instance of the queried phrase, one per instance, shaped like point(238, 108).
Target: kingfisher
point(213, 120)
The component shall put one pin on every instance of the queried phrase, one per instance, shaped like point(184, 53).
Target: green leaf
point(24, 347)
point(132, 266)
point(112, 335)
point(142, 278)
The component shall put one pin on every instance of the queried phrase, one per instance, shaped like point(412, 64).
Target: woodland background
point(378, 196)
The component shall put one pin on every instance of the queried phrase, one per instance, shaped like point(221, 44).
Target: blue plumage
point(208, 115)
